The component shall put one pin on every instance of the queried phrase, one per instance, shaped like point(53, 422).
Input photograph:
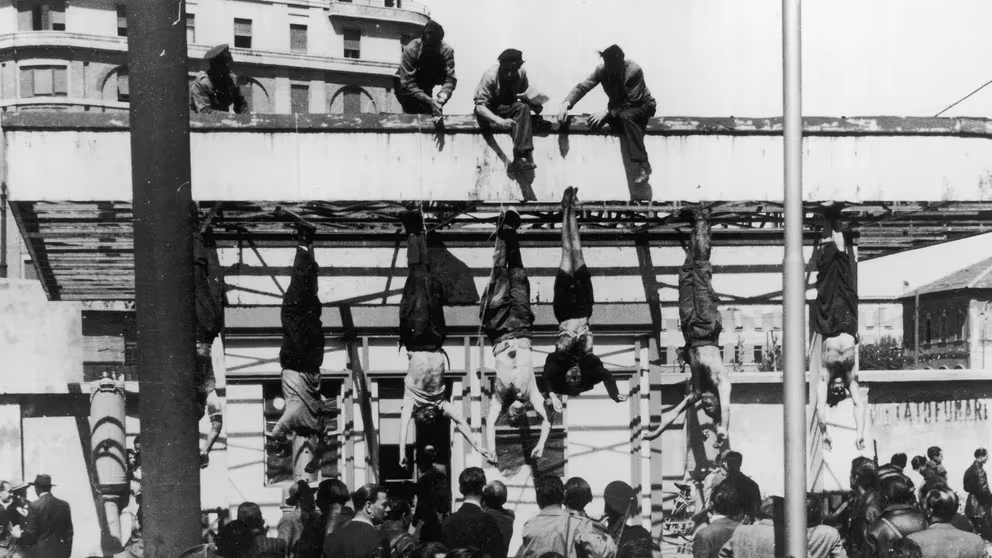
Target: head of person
point(430, 550)
point(933, 483)
point(710, 403)
point(137, 444)
point(235, 540)
point(918, 462)
point(864, 473)
point(132, 459)
point(432, 35)
point(219, 59)
point(578, 494)
point(516, 412)
point(300, 494)
point(772, 507)
point(897, 490)
point(426, 458)
point(510, 61)
point(470, 552)
point(426, 415)
point(42, 484)
point(5, 495)
point(904, 548)
point(573, 376)
point(734, 460)
point(613, 60)
point(837, 391)
point(899, 460)
point(636, 548)
point(472, 482)
point(814, 510)
point(619, 500)
point(370, 502)
point(981, 455)
point(550, 491)
point(332, 492)
point(725, 500)
point(398, 513)
point(941, 504)
point(935, 454)
point(494, 495)
point(251, 515)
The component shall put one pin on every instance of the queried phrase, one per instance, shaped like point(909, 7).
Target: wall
point(948, 349)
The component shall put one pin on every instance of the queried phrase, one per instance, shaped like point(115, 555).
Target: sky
point(723, 57)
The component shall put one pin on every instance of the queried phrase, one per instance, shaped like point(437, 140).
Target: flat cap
point(511, 55)
point(216, 51)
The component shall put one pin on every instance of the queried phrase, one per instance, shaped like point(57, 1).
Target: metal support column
point(163, 254)
point(794, 293)
point(3, 230)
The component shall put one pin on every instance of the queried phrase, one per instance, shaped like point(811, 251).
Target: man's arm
point(860, 409)
point(582, 88)
point(406, 416)
point(672, 416)
point(69, 533)
point(483, 96)
point(538, 402)
point(495, 406)
point(466, 431)
point(609, 381)
point(201, 98)
point(484, 112)
point(701, 546)
point(450, 81)
point(408, 74)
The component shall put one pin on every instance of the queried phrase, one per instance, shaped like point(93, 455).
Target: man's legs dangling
point(209, 284)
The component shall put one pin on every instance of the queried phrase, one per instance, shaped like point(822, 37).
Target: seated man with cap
point(629, 108)
point(501, 99)
point(572, 368)
point(426, 63)
point(216, 89)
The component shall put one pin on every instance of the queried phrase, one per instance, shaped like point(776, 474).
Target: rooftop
point(976, 276)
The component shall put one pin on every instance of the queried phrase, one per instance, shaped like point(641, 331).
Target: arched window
point(928, 330)
point(255, 94)
point(116, 86)
point(352, 100)
point(944, 334)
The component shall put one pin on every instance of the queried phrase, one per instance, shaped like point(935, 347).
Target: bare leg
point(822, 387)
point(706, 363)
point(669, 418)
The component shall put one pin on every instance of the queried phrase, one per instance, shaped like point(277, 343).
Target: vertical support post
point(794, 292)
point(636, 428)
point(475, 405)
point(348, 410)
point(916, 335)
point(3, 230)
point(657, 475)
point(163, 260)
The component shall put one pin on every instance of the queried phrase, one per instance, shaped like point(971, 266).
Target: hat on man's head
point(434, 26)
point(511, 55)
point(215, 52)
point(18, 485)
point(43, 481)
point(290, 494)
point(619, 496)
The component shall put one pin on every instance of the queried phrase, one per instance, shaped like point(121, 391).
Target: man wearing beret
point(501, 100)
point(630, 105)
point(426, 63)
point(48, 532)
point(215, 90)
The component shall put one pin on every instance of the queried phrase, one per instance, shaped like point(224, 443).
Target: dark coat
point(976, 483)
point(470, 526)
point(48, 531)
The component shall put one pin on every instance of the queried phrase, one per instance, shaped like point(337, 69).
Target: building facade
point(309, 56)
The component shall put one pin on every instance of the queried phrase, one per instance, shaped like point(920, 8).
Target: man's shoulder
point(201, 78)
point(491, 73)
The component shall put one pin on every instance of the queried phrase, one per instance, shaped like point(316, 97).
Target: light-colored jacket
point(568, 533)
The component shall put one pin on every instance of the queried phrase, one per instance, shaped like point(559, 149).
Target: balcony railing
point(395, 4)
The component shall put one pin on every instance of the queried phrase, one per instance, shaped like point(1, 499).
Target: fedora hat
point(43, 480)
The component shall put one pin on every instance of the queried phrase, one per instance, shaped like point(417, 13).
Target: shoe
point(568, 198)
point(413, 221)
point(510, 219)
point(643, 176)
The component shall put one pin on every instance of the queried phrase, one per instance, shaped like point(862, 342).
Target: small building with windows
point(308, 56)
point(953, 319)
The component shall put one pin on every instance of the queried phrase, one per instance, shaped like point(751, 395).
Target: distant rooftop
point(975, 276)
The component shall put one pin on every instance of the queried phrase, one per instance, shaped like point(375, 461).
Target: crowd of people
point(331, 521)
point(890, 512)
point(41, 527)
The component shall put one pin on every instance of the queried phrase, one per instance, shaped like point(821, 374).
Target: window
point(662, 355)
point(962, 328)
point(190, 29)
point(44, 81)
point(738, 356)
point(300, 98)
point(352, 43)
point(121, 20)
point(298, 38)
point(759, 354)
point(928, 330)
point(942, 332)
point(738, 319)
point(723, 356)
point(242, 33)
point(123, 86)
point(33, 15)
point(352, 101)
point(28, 271)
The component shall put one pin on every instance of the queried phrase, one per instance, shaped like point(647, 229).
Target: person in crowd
point(426, 62)
point(501, 100)
point(235, 540)
point(629, 108)
point(208, 283)
point(11, 521)
point(636, 548)
point(431, 549)
point(397, 526)
point(493, 500)
point(835, 320)
point(899, 518)
point(758, 539)
point(48, 528)
point(423, 332)
point(578, 495)
point(979, 504)
point(959, 521)
point(619, 504)
point(265, 547)
point(934, 466)
point(508, 321)
point(470, 526)
point(557, 530)
point(747, 490)
point(701, 326)
point(895, 466)
point(724, 519)
point(941, 539)
point(864, 506)
point(572, 368)
point(904, 548)
point(822, 541)
point(216, 89)
point(433, 496)
point(362, 536)
point(302, 350)
point(135, 545)
point(917, 475)
point(332, 500)
point(290, 526)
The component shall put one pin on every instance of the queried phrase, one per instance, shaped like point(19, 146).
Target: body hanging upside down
point(572, 368)
point(423, 332)
point(701, 325)
point(302, 351)
point(508, 322)
point(835, 320)
point(208, 281)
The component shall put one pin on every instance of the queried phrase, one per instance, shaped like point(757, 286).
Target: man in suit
point(48, 530)
point(941, 539)
point(493, 498)
point(979, 506)
point(724, 520)
point(470, 526)
point(748, 492)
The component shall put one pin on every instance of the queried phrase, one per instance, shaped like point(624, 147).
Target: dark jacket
point(630, 92)
point(897, 521)
point(48, 530)
point(209, 94)
point(419, 72)
point(976, 483)
point(748, 493)
point(504, 520)
point(710, 539)
point(208, 283)
point(470, 526)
